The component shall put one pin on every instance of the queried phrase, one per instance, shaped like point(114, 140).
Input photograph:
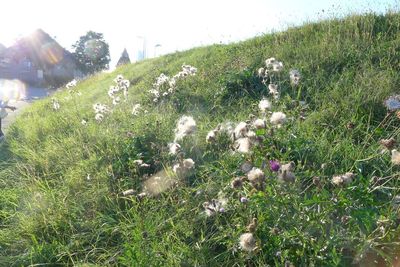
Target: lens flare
point(51, 53)
point(12, 90)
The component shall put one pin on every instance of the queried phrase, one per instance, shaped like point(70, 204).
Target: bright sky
point(174, 24)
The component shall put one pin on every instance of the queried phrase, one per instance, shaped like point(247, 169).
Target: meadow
point(276, 151)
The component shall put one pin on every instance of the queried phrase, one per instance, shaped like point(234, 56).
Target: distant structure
point(124, 59)
point(38, 60)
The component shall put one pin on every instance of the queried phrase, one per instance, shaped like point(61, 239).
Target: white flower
point(165, 94)
point(278, 118)
point(264, 105)
point(83, 122)
point(56, 104)
point(393, 103)
point(241, 130)
point(100, 108)
point(138, 162)
point(215, 206)
point(259, 124)
point(277, 66)
point(343, 179)
point(270, 62)
point(395, 157)
point(273, 90)
point(185, 126)
point(247, 242)
point(71, 84)
point(136, 108)
point(261, 72)
point(211, 136)
point(295, 77)
point(174, 148)
point(116, 100)
point(99, 117)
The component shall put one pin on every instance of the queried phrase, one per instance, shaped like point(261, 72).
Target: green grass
point(61, 183)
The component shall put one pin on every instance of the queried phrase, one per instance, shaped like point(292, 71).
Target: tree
point(124, 59)
point(92, 53)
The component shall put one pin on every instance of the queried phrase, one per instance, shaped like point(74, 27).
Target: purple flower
point(274, 165)
point(222, 210)
point(243, 199)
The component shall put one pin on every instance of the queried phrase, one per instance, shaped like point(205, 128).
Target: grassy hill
point(64, 176)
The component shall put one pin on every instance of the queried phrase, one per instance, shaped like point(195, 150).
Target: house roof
point(40, 48)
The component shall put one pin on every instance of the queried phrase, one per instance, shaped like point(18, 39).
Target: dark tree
point(92, 52)
point(124, 59)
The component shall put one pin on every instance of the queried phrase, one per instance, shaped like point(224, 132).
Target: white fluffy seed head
point(174, 148)
point(247, 242)
point(243, 145)
point(395, 157)
point(185, 126)
point(259, 124)
point(256, 175)
point(278, 118)
point(241, 130)
point(264, 105)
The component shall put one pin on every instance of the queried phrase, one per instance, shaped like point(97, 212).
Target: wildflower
point(56, 104)
point(395, 157)
point(99, 117)
point(236, 183)
point(273, 90)
point(256, 176)
point(274, 165)
point(71, 84)
point(138, 162)
point(215, 206)
point(84, 122)
point(392, 103)
point(259, 124)
point(174, 148)
point(100, 108)
point(264, 105)
point(285, 173)
point(211, 136)
point(277, 66)
point(247, 242)
point(185, 126)
point(343, 179)
point(270, 62)
point(241, 130)
point(128, 192)
point(243, 145)
point(116, 100)
point(135, 110)
point(244, 199)
point(388, 143)
point(183, 169)
point(294, 76)
point(261, 72)
point(188, 163)
point(278, 118)
point(165, 94)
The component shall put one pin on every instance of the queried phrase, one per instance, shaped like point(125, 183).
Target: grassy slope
point(51, 213)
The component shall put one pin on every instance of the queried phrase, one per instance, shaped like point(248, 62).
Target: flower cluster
point(185, 126)
point(121, 85)
point(100, 110)
point(55, 104)
point(165, 85)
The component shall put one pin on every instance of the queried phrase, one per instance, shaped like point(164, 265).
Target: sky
point(168, 26)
